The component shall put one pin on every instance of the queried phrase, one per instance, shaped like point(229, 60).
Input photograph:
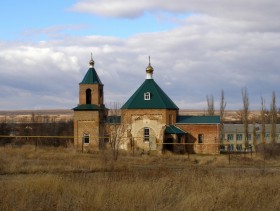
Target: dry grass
point(63, 179)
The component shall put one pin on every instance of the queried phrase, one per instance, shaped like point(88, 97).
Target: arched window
point(88, 96)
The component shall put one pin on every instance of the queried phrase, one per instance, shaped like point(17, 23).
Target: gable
point(149, 96)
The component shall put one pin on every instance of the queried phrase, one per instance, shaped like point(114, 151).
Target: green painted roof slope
point(87, 107)
point(158, 99)
point(198, 120)
point(91, 77)
point(172, 129)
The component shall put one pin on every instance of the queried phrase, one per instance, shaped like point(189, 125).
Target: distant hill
point(56, 115)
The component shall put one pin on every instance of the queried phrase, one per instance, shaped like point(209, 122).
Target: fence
point(36, 140)
point(151, 144)
point(22, 139)
point(233, 154)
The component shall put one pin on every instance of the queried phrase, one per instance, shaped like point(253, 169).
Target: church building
point(149, 120)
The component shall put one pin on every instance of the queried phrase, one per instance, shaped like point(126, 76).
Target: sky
point(197, 49)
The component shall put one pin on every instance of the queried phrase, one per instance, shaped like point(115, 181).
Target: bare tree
point(115, 129)
point(245, 114)
point(210, 105)
point(273, 117)
point(222, 112)
point(263, 120)
point(254, 134)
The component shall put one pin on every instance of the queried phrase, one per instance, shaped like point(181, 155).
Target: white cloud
point(223, 45)
point(238, 9)
point(117, 8)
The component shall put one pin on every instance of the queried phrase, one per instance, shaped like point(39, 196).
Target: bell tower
point(90, 113)
point(91, 88)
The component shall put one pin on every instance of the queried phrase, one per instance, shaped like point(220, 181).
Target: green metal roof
point(87, 107)
point(91, 77)
point(158, 99)
point(198, 120)
point(172, 129)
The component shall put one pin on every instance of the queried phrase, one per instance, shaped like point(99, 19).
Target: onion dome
point(149, 69)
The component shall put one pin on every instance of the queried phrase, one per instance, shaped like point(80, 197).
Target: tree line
point(266, 116)
point(19, 132)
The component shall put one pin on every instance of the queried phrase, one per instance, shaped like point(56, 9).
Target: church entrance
point(168, 144)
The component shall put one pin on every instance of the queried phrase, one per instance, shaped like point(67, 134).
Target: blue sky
point(197, 48)
point(29, 20)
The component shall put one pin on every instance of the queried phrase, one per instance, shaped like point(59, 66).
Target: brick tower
point(90, 113)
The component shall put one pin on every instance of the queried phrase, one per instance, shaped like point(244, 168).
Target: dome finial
point(149, 70)
point(91, 62)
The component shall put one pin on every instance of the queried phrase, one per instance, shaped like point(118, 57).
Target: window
point(267, 136)
point(239, 147)
point(222, 148)
point(147, 96)
point(200, 138)
point(249, 137)
point(88, 96)
point(229, 137)
point(239, 137)
point(146, 134)
point(231, 147)
point(86, 138)
point(258, 136)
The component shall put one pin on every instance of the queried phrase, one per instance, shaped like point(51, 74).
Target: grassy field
point(64, 179)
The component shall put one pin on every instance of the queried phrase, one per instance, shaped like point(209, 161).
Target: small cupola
point(149, 71)
point(91, 76)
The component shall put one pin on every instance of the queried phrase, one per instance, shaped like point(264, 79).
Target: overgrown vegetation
point(60, 129)
point(64, 179)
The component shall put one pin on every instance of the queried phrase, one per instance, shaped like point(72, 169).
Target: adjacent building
point(235, 139)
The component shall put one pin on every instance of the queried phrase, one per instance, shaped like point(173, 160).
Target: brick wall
point(210, 134)
point(155, 119)
point(87, 122)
